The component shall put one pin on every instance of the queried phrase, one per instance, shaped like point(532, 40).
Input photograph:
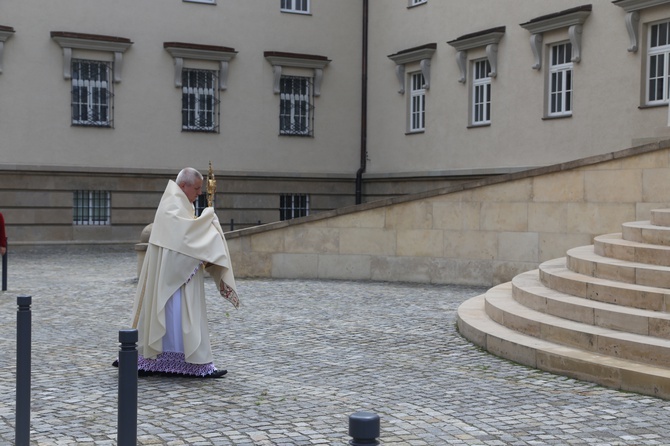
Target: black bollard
point(4, 271)
point(363, 429)
point(23, 345)
point(127, 416)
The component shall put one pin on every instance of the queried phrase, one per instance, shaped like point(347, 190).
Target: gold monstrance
point(211, 186)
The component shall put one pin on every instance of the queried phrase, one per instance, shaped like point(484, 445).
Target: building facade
point(307, 105)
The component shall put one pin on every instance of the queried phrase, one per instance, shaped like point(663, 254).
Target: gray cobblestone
point(302, 356)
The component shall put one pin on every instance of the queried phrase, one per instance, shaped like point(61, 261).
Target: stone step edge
point(583, 260)
point(646, 232)
point(601, 290)
point(474, 325)
point(502, 308)
point(528, 290)
point(660, 217)
point(614, 246)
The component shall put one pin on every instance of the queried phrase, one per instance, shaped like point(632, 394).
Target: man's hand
point(3, 250)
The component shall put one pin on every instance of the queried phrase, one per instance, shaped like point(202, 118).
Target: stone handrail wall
point(479, 233)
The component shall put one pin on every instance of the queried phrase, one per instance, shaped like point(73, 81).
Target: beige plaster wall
point(608, 107)
point(482, 233)
point(35, 120)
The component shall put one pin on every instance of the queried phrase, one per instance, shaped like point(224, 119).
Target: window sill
point(202, 2)
point(415, 132)
point(295, 12)
point(417, 5)
point(551, 118)
point(476, 126)
point(646, 106)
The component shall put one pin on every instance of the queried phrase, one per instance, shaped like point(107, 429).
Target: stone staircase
point(599, 314)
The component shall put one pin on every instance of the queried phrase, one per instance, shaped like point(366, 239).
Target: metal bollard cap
point(364, 425)
point(128, 336)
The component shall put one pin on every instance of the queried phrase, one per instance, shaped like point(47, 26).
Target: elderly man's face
point(192, 191)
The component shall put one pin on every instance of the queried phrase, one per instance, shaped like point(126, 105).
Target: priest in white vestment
point(170, 311)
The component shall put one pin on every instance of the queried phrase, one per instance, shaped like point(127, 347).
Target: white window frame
point(295, 6)
point(481, 92)
point(91, 208)
point(560, 82)
point(417, 2)
point(656, 51)
point(92, 94)
point(417, 103)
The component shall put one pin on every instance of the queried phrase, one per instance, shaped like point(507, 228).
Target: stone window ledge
point(5, 33)
point(94, 42)
point(488, 38)
point(422, 54)
point(180, 51)
point(632, 8)
point(572, 18)
point(279, 59)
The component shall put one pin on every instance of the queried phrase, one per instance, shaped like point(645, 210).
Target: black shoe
point(115, 363)
point(143, 373)
point(216, 374)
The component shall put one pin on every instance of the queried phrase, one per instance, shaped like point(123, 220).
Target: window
point(481, 93)
point(417, 108)
point(417, 2)
point(91, 207)
point(91, 93)
point(293, 206)
point(658, 58)
point(296, 109)
point(560, 80)
point(299, 6)
point(200, 203)
point(199, 101)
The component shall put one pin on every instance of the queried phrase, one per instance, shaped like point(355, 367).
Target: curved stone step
point(617, 373)
point(646, 232)
point(614, 246)
point(660, 217)
point(585, 261)
point(503, 309)
point(528, 290)
point(554, 274)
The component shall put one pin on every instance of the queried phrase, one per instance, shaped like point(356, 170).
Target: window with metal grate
point(92, 96)
point(296, 106)
point(200, 101)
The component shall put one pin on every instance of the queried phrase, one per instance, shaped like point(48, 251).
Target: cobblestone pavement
point(302, 356)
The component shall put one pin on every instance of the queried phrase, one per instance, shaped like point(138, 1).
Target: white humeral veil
point(178, 247)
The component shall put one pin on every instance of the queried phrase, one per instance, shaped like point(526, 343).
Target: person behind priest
point(170, 312)
point(3, 237)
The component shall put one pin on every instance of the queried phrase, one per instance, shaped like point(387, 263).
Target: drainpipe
point(364, 106)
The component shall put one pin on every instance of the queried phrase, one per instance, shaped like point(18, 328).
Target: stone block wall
point(482, 232)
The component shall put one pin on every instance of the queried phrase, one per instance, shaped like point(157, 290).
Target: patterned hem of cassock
point(174, 363)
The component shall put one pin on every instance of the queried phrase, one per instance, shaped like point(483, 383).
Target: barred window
point(200, 204)
point(91, 207)
point(417, 112)
point(481, 93)
point(200, 101)
point(293, 206)
point(300, 6)
point(92, 93)
point(416, 2)
point(296, 106)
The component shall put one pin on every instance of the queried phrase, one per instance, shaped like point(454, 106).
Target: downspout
point(364, 106)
